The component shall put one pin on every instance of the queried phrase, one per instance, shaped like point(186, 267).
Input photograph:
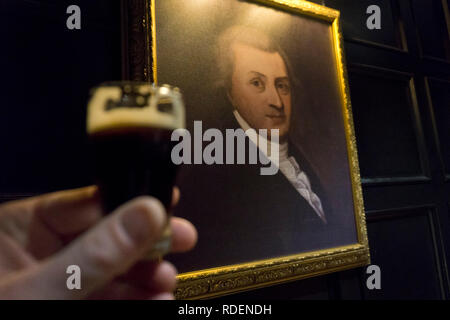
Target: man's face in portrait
point(260, 89)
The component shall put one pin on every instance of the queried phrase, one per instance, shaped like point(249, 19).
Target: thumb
point(104, 252)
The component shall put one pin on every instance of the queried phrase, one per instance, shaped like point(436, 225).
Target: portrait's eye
point(283, 87)
point(258, 83)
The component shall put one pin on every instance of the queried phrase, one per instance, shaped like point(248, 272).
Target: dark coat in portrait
point(243, 216)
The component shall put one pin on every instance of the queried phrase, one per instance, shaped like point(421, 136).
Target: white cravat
point(291, 170)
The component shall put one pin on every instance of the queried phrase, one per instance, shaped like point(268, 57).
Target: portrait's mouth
point(276, 116)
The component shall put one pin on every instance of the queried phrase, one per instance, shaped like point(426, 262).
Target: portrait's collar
point(283, 147)
point(244, 125)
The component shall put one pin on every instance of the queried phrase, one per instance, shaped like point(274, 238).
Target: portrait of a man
point(259, 90)
point(250, 76)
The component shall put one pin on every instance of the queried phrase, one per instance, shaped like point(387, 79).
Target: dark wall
point(46, 73)
point(400, 88)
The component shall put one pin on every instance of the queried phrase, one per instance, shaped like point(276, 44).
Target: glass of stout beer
point(130, 126)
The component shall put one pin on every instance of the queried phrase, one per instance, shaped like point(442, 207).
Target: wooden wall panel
point(439, 99)
point(387, 125)
point(430, 17)
point(405, 248)
point(391, 35)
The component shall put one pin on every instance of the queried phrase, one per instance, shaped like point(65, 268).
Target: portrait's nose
point(274, 99)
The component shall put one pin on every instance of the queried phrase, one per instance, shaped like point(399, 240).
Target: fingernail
point(144, 220)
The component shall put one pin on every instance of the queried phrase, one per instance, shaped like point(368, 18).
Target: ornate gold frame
point(141, 64)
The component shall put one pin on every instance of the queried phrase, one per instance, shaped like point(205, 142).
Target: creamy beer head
point(127, 104)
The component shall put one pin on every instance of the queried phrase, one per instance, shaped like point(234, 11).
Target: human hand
point(40, 237)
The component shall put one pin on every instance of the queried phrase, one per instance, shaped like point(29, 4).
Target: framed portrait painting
point(276, 69)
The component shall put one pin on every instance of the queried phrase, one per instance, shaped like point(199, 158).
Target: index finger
point(69, 212)
point(73, 211)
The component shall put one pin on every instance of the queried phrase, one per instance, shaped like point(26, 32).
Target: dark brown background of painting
point(187, 32)
point(403, 150)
